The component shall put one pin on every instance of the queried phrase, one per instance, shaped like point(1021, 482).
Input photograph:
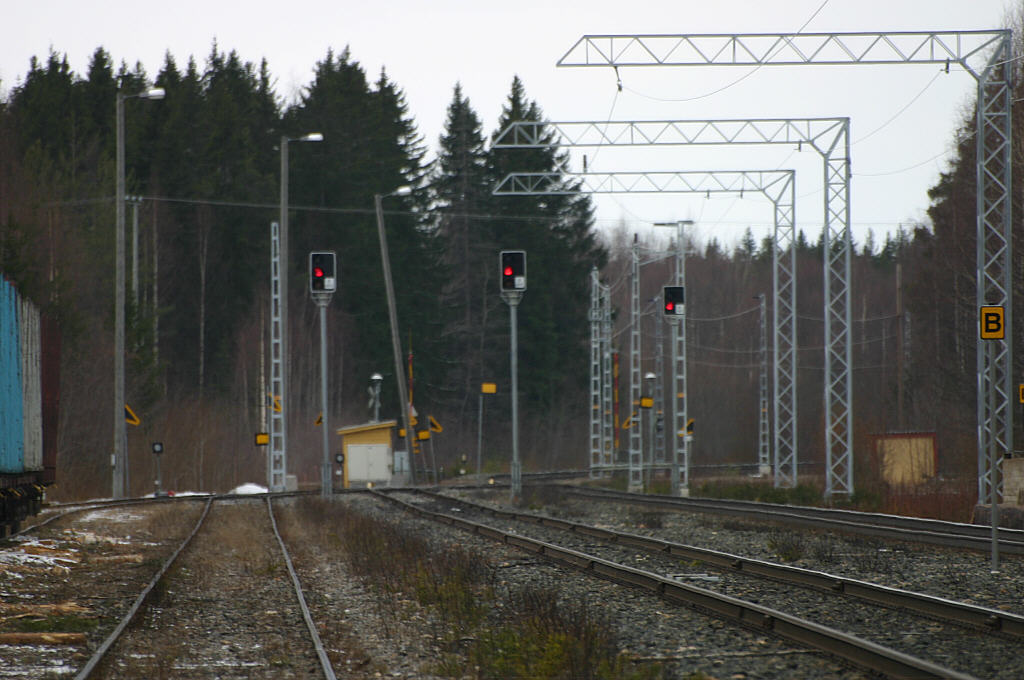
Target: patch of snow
point(36, 553)
point(111, 515)
point(247, 489)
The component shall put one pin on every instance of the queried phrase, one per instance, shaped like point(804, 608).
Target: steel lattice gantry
point(600, 376)
point(987, 55)
point(830, 138)
point(779, 187)
point(276, 458)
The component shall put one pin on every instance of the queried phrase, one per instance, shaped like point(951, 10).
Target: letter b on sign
point(992, 327)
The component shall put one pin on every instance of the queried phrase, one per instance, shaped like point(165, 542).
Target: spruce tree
point(462, 197)
point(562, 248)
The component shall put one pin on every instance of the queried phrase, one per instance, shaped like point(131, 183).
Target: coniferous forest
point(204, 164)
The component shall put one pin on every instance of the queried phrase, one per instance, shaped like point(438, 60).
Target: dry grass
point(487, 628)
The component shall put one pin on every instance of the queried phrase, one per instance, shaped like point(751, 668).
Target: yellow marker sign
point(646, 402)
point(423, 434)
point(489, 388)
point(991, 323)
point(262, 439)
point(275, 402)
point(1020, 393)
point(130, 417)
point(434, 425)
point(320, 419)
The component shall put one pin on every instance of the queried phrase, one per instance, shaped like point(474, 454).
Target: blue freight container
point(12, 428)
point(32, 398)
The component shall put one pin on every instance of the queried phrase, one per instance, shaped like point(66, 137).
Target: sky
point(904, 118)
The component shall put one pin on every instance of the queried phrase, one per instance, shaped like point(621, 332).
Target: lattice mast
point(276, 457)
point(636, 482)
point(596, 429)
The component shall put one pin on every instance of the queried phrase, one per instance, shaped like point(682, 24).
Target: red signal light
point(508, 271)
point(670, 306)
point(318, 272)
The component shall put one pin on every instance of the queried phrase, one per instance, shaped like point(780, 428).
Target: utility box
point(369, 457)
point(1013, 481)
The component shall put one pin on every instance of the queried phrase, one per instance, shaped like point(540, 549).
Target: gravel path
point(81, 574)
point(226, 610)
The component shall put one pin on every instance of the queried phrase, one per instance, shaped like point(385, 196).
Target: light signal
point(513, 270)
point(674, 300)
point(322, 272)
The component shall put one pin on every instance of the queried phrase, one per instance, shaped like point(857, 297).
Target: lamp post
point(120, 435)
point(375, 380)
point(396, 345)
point(283, 286)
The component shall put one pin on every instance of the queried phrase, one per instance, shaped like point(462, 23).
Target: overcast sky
point(903, 118)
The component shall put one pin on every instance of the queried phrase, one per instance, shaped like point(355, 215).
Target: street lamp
point(283, 289)
point(396, 346)
point(375, 380)
point(120, 435)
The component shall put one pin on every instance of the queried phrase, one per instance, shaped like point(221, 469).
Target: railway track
point(785, 610)
point(888, 527)
point(1006, 624)
point(225, 603)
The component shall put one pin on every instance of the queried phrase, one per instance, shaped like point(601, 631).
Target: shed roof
point(366, 427)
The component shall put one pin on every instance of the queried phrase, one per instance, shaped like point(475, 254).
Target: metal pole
point(396, 346)
point(764, 466)
point(283, 273)
point(993, 486)
point(517, 484)
point(159, 482)
point(325, 477)
point(433, 460)
point(479, 429)
point(648, 464)
point(120, 436)
point(677, 414)
point(135, 251)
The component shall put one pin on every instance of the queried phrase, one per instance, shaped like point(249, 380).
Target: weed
point(485, 630)
point(823, 549)
point(537, 497)
point(651, 520)
point(789, 546)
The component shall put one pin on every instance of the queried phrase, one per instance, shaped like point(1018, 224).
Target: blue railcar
point(29, 399)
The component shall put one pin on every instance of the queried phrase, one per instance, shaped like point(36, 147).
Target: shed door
point(368, 462)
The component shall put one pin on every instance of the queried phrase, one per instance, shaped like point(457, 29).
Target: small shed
point(369, 455)
point(906, 458)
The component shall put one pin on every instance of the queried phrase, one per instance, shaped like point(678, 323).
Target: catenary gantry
point(988, 56)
